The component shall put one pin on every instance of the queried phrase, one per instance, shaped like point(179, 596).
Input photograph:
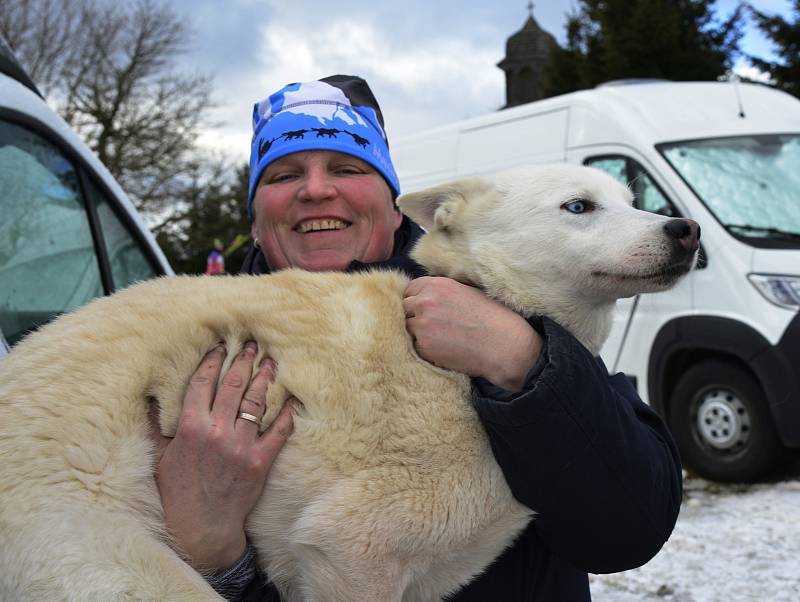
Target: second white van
point(718, 356)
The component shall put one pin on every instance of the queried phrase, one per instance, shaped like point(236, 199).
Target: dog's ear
point(436, 208)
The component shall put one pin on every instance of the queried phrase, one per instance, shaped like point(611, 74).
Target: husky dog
point(387, 490)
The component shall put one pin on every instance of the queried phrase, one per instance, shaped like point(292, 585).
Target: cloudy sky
point(429, 62)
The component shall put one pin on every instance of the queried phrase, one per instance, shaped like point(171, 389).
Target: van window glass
point(47, 258)
point(750, 183)
point(616, 167)
point(647, 195)
point(127, 259)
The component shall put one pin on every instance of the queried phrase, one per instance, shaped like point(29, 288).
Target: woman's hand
point(458, 327)
point(212, 473)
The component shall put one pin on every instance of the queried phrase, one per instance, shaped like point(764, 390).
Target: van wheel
point(721, 423)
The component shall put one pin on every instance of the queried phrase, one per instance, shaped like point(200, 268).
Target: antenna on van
point(735, 80)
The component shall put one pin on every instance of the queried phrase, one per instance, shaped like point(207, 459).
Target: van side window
point(48, 263)
point(649, 197)
point(616, 167)
point(126, 258)
point(647, 194)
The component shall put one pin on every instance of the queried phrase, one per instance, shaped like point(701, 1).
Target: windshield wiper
point(775, 232)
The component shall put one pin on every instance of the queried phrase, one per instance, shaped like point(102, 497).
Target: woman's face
point(320, 210)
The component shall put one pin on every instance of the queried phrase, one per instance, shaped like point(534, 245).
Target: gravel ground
point(732, 543)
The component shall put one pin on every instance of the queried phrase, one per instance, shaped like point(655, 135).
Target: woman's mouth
point(318, 225)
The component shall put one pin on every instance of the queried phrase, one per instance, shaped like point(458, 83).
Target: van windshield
point(750, 183)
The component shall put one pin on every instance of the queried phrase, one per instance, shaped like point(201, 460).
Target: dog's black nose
point(686, 232)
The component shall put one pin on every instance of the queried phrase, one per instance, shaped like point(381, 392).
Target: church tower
point(527, 54)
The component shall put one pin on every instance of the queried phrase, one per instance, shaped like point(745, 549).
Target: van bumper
point(778, 369)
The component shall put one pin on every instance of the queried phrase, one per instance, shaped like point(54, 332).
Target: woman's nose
point(317, 185)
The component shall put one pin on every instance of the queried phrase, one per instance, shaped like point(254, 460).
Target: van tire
point(721, 422)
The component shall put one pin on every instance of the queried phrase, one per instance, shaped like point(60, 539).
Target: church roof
point(529, 42)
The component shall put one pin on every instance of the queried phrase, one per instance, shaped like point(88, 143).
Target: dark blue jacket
point(581, 449)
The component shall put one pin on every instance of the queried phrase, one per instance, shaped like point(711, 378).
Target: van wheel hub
point(722, 420)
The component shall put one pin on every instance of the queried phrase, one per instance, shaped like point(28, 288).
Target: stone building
point(527, 54)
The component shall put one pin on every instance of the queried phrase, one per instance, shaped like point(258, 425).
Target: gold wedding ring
point(250, 417)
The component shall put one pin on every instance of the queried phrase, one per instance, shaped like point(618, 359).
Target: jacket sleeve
point(594, 462)
point(243, 582)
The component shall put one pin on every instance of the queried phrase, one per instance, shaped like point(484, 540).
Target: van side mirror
point(702, 258)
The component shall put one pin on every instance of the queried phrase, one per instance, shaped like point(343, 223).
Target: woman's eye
point(281, 177)
point(578, 206)
point(348, 171)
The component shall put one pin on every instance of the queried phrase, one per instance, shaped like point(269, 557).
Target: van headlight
point(783, 291)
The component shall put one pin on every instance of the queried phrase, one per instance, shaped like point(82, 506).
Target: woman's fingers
point(233, 386)
point(254, 402)
point(199, 395)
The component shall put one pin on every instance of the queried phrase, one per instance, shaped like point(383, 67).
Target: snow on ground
point(732, 543)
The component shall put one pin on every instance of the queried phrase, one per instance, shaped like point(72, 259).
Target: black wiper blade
point(775, 232)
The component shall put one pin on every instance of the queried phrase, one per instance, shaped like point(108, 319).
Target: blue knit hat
point(336, 113)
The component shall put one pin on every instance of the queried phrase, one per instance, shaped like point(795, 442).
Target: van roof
point(663, 111)
point(660, 109)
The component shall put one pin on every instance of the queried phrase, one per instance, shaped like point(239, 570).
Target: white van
point(67, 231)
point(719, 355)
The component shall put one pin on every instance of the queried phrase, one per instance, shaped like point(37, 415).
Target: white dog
point(387, 489)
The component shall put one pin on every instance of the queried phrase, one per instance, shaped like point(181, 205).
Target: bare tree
point(110, 69)
point(41, 32)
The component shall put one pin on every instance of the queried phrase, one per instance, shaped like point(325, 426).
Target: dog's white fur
point(387, 489)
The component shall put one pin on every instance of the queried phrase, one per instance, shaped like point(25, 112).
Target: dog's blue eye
point(577, 206)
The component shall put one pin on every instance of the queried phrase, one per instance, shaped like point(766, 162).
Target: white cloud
point(753, 73)
point(432, 82)
point(418, 86)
